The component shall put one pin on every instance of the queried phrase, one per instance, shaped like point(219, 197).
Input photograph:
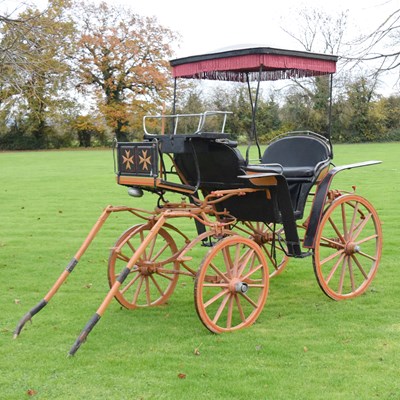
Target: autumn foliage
point(80, 74)
point(124, 57)
point(79, 59)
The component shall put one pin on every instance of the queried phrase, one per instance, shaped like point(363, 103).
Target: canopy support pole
point(253, 133)
point(330, 112)
point(173, 122)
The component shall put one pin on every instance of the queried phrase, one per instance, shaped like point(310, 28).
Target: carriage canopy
point(244, 64)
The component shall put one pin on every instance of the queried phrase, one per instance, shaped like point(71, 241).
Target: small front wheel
point(348, 247)
point(231, 286)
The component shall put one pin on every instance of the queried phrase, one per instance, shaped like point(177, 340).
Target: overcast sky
point(208, 25)
point(211, 24)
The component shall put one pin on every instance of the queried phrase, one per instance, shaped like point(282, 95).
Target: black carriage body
point(205, 164)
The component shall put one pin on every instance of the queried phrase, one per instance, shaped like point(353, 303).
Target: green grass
point(304, 346)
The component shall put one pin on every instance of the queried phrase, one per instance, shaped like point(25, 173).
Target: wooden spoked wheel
point(231, 285)
point(264, 236)
point(153, 279)
point(348, 247)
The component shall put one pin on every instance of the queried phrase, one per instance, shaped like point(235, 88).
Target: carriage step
point(303, 254)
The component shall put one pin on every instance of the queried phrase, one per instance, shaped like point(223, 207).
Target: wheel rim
point(348, 247)
point(264, 237)
point(231, 285)
point(154, 277)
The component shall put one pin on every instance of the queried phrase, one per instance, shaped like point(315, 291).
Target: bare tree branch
point(381, 45)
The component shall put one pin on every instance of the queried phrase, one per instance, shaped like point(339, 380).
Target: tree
point(33, 70)
point(360, 121)
point(123, 56)
point(315, 30)
point(268, 119)
point(190, 102)
point(87, 127)
point(13, 25)
point(381, 46)
point(391, 107)
point(240, 123)
point(296, 111)
point(308, 106)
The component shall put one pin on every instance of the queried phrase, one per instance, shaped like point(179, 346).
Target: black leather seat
point(301, 156)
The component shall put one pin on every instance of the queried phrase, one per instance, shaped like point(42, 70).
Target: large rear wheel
point(348, 247)
point(271, 240)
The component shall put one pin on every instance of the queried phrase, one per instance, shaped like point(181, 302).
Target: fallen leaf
point(197, 350)
point(17, 301)
point(181, 376)
point(88, 285)
point(31, 392)
point(305, 349)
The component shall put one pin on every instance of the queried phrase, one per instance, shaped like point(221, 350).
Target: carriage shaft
point(121, 278)
point(70, 267)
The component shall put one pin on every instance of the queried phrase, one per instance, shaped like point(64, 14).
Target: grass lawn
point(303, 346)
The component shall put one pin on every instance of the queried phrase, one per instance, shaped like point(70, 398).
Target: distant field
point(304, 345)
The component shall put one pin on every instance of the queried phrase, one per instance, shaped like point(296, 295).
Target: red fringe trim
point(236, 68)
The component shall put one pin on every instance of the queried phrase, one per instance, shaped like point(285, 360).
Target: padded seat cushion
point(288, 172)
point(265, 168)
point(298, 172)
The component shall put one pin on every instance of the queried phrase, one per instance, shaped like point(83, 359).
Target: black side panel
point(253, 207)
point(137, 159)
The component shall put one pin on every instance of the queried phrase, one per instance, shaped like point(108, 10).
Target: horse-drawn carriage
point(250, 215)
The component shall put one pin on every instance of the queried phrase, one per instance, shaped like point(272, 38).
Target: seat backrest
point(297, 151)
point(303, 157)
point(217, 165)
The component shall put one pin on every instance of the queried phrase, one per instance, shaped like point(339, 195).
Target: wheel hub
point(352, 248)
point(147, 268)
point(263, 237)
point(241, 287)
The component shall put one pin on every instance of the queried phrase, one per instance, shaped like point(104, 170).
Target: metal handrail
point(175, 117)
